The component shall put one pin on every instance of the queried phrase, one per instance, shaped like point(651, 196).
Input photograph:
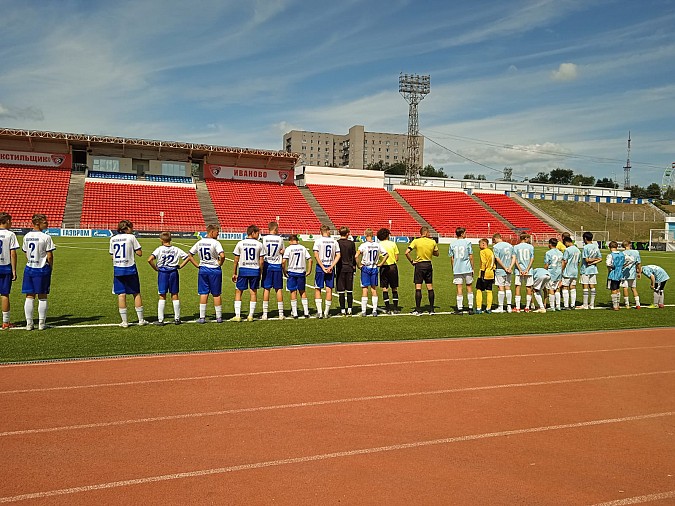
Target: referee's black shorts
point(389, 276)
point(345, 280)
point(424, 273)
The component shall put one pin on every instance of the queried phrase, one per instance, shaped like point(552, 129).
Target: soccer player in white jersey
point(248, 260)
point(295, 265)
point(327, 255)
point(369, 253)
point(272, 275)
point(632, 271)
point(8, 247)
point(166, 260)
point(553, 263)
point(461, 252)
point(123, 247)
point(524, 255)
point(570, 272)
point(210, 278)
point(504, 262)
point(590, 257)
point(37, 275)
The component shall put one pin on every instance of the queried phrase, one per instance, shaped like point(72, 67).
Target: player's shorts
point(613, 284)
point(345, 280)
point(660, 286)
point(553, 284)
point(589, 279)
point(569, 281)
point(424, 273)
point(461, 279)
point(244, 282)
point(503, 279)
point(126, 284)
point(272, 278)
point(167, 282)
point(5, 283)
point(524, 280)
point(322, 279)
point(36, 280)
point(629, 283)
point(484, 284)
point(210, 281)
point(389, 276)
point(540, 283)
point(369, 276)
point(296, 282)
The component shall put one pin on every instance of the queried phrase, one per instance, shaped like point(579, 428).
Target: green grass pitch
point(81, 295)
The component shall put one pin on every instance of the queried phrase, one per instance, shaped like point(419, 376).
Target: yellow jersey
point(392, 251)
point(424, 248)
point(561, 246)
point(487, 263)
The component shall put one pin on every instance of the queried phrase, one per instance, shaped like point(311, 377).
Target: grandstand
point(515, 214)
point(240, 203)
point(33, 190)
point(447, 210)
point(360, 208)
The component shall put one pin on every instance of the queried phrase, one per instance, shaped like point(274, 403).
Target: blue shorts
point(369, 276)
point(129, 283)
point(272, 278)
point(244, 282)
point(296, 282)
point(5, 283)
point(210, 281)
point(167, 282)
point(36, 280)
point(322, 279)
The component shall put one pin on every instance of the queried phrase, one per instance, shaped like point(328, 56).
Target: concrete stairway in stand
point(206, 204)
point(316, 207)
point(72, 214)
point(411, 211)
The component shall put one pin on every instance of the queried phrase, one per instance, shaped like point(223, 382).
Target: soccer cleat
point(470, 310)
point(349, 312)
point(42, 325)
point(201, 321)
point(584, 306)
point(158, 323)
point(141, 323)
point(415, 312)
point(7, 326)
point(627, 306)
point(306, 315)
point(638, 307)
point(264, 316)
point(295, 316)
point(458, 312)
point(488, 311)
point(499, 310)
point(282, 317)
point(362, 313)
point(526, 310)
point(652, 306)
point(374, 313)
point(319, 315)
point(479, 311)
point(177, 321)
point(540, 310)
point(249, 318)
point(516, 310)
point(219, 320)
point(509, 309)
point(124, 325)
point(661, 306)
point(233, 319)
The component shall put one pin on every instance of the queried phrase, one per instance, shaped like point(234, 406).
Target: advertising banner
point(30, 159)
point(74, 232)
point(280, 177)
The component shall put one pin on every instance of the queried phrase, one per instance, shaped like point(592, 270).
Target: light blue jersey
point(631, 261)
point(572, 255)
point(524, 254)
point(553, 259)
point(504, 252)
point(590, 251)
point(654, 270)
point(615, 262)
point(461, 251)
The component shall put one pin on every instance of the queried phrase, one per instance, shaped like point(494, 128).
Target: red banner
point(246, 174)
point(31, 159)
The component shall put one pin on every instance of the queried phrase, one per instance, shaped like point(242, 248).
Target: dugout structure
point(661, 239)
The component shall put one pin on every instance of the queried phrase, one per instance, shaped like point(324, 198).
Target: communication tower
point(626, 169)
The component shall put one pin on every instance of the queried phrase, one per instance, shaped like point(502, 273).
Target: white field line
point(325, 456)
point(640, 499)
point(296, 405)
point(326, 368)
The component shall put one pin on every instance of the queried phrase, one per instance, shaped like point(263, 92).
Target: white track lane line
point(296, 405)
point(325, 456)
point(325, 368)
point(640, 499)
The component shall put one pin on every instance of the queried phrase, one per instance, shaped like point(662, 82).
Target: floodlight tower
point(626, 169)
point(414, 88)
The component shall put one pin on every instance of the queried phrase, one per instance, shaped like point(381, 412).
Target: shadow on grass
point(69, 319)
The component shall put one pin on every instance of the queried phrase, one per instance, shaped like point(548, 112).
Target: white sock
point(585, 296)
point(592, 301)
point(518, 301)
point(551, 300)
point(139, 313)
point(327, 311)
point(305, 306)
point(364, 304)
point(161, 304)
point(266, 306)
point(123, 315)
point(251, 308)
point(637, 301)
point(29, 306)
point(539, 300)
point(176, 309)
point(237, 308)
point(469, 300)
point(460, 302)
point(557, 300)
point(5, 317)
point(42, 309)
point(319, 306)
point(573, 297)
point(566, 297)
point(202, 310)
point(626, 300)
point(528, 300)
point(219, 311)
point(294, 307)
point(508, 297)
point(280, 308)
point(375, 301)
point(500, 299)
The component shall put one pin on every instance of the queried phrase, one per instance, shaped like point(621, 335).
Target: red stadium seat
point(516, 214)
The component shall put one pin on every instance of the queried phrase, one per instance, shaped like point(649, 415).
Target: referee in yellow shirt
point(389, 271)
point(425, 248)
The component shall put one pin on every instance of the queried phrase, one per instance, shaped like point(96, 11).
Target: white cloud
point(22, 113)
point(566, 72)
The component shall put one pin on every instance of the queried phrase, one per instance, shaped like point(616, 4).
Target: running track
point(554, 419)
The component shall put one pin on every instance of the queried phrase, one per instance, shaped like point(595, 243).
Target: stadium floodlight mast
point(414, 88)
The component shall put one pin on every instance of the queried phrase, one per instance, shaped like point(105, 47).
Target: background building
point(355, 150)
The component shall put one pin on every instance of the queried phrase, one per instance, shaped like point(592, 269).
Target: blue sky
point(531, 84)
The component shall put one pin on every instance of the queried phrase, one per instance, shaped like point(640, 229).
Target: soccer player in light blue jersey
point(166, 260)
point(504, 262)
point(272, 275)
point(461, 252)
point(369, 253)
point(210, 278)
point(248, 260)
point(590, 257)
point(570, 272)
point(553, 262)
point(524, 255)
point(8, 260)
point(657, 277)
point(632, 271)
point(123, 248)
point(615, 262)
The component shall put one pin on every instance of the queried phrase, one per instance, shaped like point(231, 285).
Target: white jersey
point(8, 243)
point(371, 252)
point(249, 252)
point(327, 248)
point(123, 248)
point(208, 250)
point(168, 257)
point(296, 256)
point(274, 249)
point(36, 245)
